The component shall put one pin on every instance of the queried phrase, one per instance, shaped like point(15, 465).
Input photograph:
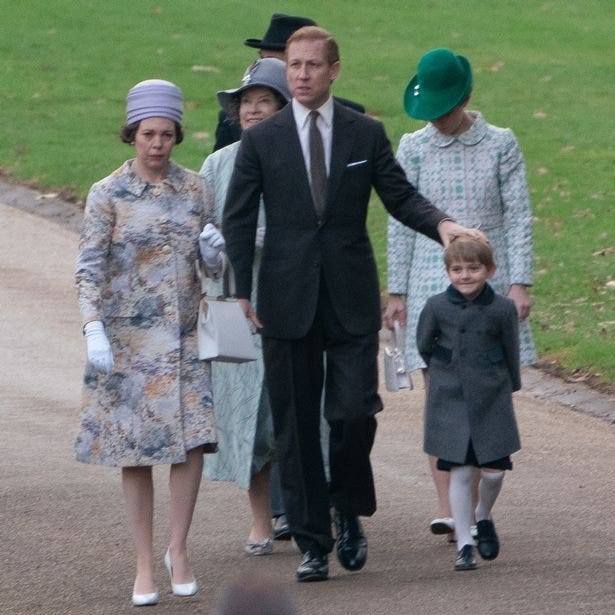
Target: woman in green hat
point(475, 172)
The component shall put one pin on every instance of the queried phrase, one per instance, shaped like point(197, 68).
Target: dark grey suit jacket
point(298, 247)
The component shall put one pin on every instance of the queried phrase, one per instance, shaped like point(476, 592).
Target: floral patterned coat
point(136, 273)
point(478, 178)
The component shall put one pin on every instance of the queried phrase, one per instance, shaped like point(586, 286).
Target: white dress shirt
point(325, 125)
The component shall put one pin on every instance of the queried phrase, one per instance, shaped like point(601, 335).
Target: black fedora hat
point(279, 31)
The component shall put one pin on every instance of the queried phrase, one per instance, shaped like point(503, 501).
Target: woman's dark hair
point(128, 132)
point(233, 108)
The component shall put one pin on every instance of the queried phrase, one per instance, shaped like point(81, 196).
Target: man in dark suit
point(318, 292)
point(272, 45)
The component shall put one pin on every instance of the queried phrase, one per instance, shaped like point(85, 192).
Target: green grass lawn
point(542, 67)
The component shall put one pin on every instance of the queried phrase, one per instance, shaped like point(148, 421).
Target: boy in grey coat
point(468, 337)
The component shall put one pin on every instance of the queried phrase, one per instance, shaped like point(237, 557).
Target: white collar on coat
point(475, 134)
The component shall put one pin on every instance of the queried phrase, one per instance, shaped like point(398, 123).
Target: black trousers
point(296, 372)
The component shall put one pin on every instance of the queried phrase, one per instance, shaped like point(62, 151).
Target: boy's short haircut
point(469, 249)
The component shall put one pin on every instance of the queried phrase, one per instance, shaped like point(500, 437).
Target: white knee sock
point(460, 496)
point(488, 491)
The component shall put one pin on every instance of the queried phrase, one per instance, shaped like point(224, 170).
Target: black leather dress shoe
point(351, 545)
point(281, 531)
point(313, 567)
point(488, 541)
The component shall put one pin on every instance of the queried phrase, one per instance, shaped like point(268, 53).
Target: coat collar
point(132, 183)
point(485, 297)
point(475, 134)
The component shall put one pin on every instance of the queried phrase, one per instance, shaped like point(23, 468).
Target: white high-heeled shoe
point(179, 589)
point(145, 599)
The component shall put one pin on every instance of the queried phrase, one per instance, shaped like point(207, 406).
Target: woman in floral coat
point(475, 172)
point(147, 397)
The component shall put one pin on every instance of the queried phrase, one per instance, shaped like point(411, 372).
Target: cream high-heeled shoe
point(145, 599)
point(179, 589)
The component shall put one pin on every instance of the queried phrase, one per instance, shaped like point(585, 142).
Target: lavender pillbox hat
point(154, 98)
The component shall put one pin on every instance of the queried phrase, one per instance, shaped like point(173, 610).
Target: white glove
point(259, 242)
point(211, 244)
point(100, 356)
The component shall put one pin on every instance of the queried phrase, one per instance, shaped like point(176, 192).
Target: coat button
point(166, 249)
point(168, 310)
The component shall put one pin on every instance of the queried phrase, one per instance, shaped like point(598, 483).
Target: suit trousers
point(296, 371)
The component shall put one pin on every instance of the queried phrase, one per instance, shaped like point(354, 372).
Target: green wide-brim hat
point(443, 80)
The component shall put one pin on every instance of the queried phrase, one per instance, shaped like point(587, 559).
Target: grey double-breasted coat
point(471, 349)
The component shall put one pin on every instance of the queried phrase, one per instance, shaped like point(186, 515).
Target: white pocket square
point(356, 164)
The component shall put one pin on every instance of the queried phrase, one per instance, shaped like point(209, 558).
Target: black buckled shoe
point(313, 568)
point(351, 545)
point(465, 559)
point(488, 541)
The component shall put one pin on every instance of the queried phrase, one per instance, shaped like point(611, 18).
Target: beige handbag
point(224, 333)
point(395, 375)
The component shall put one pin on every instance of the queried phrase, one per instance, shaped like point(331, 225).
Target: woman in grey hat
point(272, 45)
point(147, 397)
point(243, 416)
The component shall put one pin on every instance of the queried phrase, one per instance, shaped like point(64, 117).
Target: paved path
point(64, 547)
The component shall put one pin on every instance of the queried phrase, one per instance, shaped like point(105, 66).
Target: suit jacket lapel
point(342, 141)
point(291, 146)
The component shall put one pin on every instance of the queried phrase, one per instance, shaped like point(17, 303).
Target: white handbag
point(395, 374)
point(224, 333)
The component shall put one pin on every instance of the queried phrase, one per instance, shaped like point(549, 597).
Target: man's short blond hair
point(316, 33)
